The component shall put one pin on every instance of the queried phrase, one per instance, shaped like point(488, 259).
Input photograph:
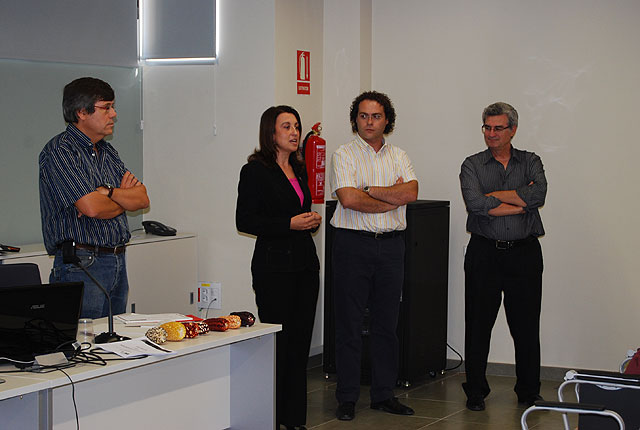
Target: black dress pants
point(289, 299)
point(367, 272)
point(491, 273)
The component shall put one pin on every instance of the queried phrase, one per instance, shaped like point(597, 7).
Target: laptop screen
point(38, 319)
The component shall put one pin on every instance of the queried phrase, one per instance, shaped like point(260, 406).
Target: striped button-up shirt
point(69, 170)
point(482, 174)
point(356, 164)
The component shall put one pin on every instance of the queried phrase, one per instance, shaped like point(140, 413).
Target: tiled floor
point(439, 404)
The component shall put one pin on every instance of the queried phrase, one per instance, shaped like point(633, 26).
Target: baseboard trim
point(505, 369)
point(496, 369)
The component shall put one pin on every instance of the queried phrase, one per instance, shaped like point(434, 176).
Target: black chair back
point(13, 275)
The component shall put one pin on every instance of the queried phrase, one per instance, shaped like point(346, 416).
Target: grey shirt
point(482, 174)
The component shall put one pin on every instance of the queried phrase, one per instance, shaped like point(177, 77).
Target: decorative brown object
point(246, 317)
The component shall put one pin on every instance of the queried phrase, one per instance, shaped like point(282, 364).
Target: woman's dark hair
point(267, 152)
point(82, 94)
point(383, 99)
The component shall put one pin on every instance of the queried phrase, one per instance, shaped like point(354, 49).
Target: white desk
point(162, 270)
point(215, 381)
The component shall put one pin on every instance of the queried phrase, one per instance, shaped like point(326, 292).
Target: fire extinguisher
point(314, 152)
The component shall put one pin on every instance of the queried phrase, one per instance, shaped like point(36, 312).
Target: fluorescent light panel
point(171, 33)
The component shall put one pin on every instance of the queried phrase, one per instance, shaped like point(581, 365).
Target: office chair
point(611, 395)
point(12, 275)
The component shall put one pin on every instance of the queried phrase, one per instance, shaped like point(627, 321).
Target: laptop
point(38, 319)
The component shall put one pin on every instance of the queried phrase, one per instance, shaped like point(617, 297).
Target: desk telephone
point(157, 228)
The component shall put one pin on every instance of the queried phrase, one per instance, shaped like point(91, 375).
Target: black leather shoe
point(475, 403)
point(346, 411)
point(529, 401)
point(296, 427)
point(393, 406)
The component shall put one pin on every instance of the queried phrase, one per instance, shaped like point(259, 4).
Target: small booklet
point(132, 348)
point(149, 319)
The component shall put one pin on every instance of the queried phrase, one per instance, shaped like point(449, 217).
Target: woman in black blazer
point(274, 204)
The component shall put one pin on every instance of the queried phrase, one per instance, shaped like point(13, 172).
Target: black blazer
point(266, 204)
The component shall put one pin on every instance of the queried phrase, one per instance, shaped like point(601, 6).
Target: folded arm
point(358, 200)
point(477, 202)
point(529, 196)
point(509, 197)
point(506, 209)
point(398, 194)
point(130, 196)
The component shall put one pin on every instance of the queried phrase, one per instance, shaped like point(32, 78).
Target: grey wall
point(31, 114)
point(39, 54)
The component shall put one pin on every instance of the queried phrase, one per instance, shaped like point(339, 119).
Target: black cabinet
point(422, 326)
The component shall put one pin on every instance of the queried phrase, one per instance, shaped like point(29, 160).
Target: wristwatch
point(110, 188)
point(366, 189)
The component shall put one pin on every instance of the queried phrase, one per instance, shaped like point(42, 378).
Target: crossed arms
point(130, 196)
point(379, 199)
point(516, 201)
point(511, 203)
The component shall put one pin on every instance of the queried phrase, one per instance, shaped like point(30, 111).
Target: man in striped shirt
point(85, 190)
point(373, 181)
point(503, 187)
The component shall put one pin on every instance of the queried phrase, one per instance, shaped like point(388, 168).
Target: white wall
point(192, 174)
point(571, 70)
point(298, 26)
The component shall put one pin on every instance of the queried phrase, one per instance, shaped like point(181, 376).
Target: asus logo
point(37, 306)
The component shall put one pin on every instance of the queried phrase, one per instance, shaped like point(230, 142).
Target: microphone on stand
point(69, 257)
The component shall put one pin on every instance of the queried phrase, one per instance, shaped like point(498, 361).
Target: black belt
point(505, 244)
point(102, 249)
point(371, 234)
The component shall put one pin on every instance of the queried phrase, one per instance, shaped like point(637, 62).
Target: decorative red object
point(217, 324)
point(192, 329)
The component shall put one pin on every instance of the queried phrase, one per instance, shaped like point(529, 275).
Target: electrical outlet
point(209, 295)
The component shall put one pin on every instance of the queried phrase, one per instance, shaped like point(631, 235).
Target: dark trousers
point(289, 299)
point(491, 273)
point(367, 272)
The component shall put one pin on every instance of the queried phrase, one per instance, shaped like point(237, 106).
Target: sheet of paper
point(138, 347)
point(149, 319)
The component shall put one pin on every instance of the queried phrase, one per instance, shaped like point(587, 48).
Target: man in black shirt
point(503, 188)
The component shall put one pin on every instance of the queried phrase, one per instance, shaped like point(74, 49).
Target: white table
point(216, 381)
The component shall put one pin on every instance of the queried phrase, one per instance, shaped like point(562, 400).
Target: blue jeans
point(109, 269)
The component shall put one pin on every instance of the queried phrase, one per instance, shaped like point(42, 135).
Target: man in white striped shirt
point(373, 181)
